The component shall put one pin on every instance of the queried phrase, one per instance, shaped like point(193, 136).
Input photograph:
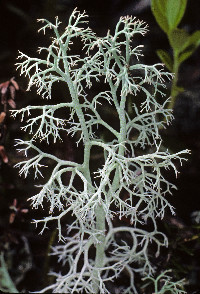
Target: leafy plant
point(127, 182)
point(168, 14)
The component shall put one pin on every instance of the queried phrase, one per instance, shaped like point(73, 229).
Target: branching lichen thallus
point(129, 183)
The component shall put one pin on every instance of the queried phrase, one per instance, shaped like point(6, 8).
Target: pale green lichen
point(100, 196)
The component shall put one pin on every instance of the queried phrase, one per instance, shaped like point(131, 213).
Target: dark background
point(25, 250)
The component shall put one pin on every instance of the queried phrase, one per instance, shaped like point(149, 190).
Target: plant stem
point(174, 91)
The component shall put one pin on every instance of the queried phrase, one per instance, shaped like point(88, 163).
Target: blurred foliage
point(168, 14)
point(6, 284)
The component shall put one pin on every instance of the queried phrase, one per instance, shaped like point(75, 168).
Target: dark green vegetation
point(168, 15)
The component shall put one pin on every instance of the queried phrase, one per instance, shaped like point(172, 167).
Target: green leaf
point(190, 46)
point(174, 12)
point(166, 59)
point(186, 54)
point(178, 39)
point(193, 39)
point(158, 8)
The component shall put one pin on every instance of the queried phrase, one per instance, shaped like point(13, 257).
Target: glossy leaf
point(166, 59)
point(158, 8)
point(175, 10)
